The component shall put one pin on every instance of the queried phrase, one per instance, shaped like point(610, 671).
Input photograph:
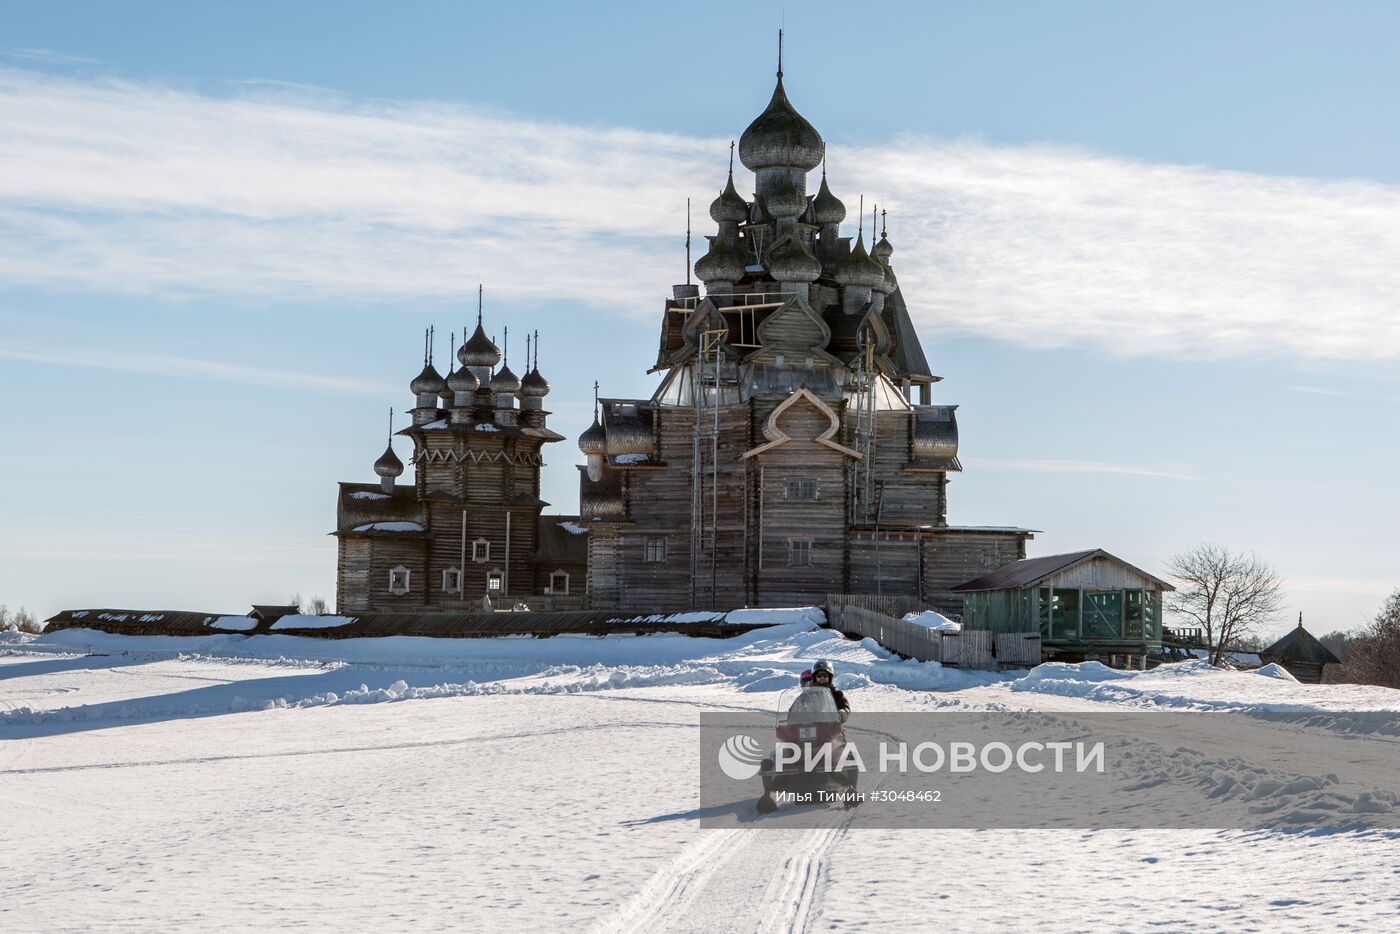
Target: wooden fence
point(895, 605)
point(971, 648)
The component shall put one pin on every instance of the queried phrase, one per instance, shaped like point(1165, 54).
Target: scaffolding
point(706, 393)
point(867, 378)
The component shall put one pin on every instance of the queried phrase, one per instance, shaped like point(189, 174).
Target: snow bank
point(301, 621)
point(931, 619)
point(1197, 685)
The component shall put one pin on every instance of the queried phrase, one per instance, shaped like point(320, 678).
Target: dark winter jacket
point(839, 696)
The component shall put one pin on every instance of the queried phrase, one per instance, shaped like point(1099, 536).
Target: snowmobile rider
point(805, 679)
point(822, 678)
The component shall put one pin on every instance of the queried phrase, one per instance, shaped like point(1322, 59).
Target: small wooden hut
point(1085, 605)
point(1301, 654)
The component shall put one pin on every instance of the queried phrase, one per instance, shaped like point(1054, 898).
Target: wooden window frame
point(498, 577)
point(481, 556)
point(457, 585)
point(647, 554)
point(407, 586)
point(555, 590)
point(790, 482)
point(792, 552)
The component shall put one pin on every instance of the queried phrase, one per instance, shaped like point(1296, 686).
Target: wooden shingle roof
point(1301, 646)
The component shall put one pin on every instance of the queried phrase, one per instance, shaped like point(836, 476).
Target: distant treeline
point(1370, 655)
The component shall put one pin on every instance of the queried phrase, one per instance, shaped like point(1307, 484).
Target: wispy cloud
point(149, 189)
point(192, 368)
point(1050, 465)
point(46, 57)
point(1319, 391)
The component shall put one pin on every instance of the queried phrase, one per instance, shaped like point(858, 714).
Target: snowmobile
point(807, 720)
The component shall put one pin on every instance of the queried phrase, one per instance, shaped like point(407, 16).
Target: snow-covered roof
point(389, 527)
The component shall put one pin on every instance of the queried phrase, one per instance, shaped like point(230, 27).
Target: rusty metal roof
point(1030, 571)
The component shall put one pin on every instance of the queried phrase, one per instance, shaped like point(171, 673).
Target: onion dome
point(429, 382)
point(479, 350)
point(594, 440)
point(446, 393)
point(859, 269)
point(504, 382)
point(533, 384)
point(463, 381)
point(829, 208)
point(780, 136)
point(388, 464)
point(721, 264)
point(882, 250)
point(791, 261)
point(785, 201)
point(729, 206)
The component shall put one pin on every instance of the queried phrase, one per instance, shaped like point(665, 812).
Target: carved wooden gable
point(802, 416)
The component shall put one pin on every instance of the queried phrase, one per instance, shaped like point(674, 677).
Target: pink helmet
point(806, 676)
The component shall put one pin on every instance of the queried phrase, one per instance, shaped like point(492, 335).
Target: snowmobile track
point(668, 894)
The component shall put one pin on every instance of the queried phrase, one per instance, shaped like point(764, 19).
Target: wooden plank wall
point(822, 521)
point(953, 557)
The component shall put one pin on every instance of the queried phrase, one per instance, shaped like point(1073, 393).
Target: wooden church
point(792, 447)
point(470, 531)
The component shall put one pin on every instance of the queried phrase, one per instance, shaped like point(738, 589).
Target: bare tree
point(1374, 656)
point(318, 606)
point(1227, 594)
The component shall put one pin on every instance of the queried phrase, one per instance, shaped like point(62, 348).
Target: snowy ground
point(549, 784)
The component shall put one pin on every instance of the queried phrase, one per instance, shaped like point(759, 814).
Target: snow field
point(226, 782)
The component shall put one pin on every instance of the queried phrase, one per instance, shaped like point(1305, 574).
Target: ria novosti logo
point(740, 757)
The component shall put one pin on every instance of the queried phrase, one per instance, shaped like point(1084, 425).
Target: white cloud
point(148, 189)
point(191, 368)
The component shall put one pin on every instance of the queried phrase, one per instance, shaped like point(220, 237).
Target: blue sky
point(1150, 249)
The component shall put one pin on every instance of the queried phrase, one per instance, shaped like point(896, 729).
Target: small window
point(655, 549)
point(481, 551)
point(799, 552)
point(398, 580)
point(451, 581)
point(495, 581)
point(559, 582)
point(800, 488)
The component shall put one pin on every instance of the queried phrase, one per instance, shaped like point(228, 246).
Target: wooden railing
point(971, 648)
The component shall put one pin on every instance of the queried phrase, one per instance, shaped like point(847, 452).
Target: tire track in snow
point(667, 896)
point(793, 894)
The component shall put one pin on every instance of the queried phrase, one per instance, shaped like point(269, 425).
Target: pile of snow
point(368, 494)
point(931, 619)
point(573, 528)
point(1275, 670)
point(301, 621)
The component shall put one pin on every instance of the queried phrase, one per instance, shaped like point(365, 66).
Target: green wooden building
point(1086, 604)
